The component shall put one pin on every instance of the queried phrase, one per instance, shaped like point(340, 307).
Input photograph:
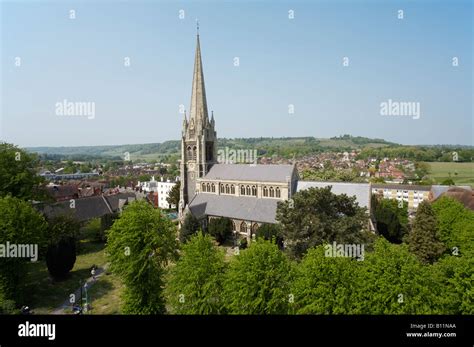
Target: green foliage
point(423, 240)
point(316, 216)
point(422, 169)
point(140, 245)
point(391, 218)
point(455, 225)
point(391, 280)
point(19, 224)
point(17, 173)
point(418, 153)
point(189, 228)
point(106, 222)
point(220, 229)
point(61, 254)
point(91, 230)
point(377, 180)
point(270, 232)
point(258, 281)
point(173, 196)
point(456, 278)
point(331, 174)
point(324, 285)
point(61, 257)
point(448, 182)
point(62, 227)
point(144, 178)
point(194, 284)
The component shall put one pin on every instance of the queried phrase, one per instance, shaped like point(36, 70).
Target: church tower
point(199, 139)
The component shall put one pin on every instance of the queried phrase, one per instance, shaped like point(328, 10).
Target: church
point(245, 193)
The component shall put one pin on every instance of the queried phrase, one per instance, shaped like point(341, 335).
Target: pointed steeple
point(185, 122)
point(198, 111)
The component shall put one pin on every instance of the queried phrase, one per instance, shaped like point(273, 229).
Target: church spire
point(198, 110)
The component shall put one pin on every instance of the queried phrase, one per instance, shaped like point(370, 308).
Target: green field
point(460, 173)
point(44, 295)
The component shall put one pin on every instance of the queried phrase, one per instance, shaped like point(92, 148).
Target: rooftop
point(248, 172)
point(401, 186)
point(238, 207)
point(360, 190)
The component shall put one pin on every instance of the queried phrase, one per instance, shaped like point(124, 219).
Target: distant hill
point(267, 146)
point(137, 151)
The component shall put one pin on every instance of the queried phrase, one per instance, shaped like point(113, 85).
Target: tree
point(423, 240)
point(106, 222)
point(448, 182)
point(220, 229)
point(422, 169)
point(144, 178)
point(173, 196)
point(315, 216)
point(323, 285)
point(190, 227)
point(391, 280)
point(61, 257)
point(20, 224)
point(455, 277)
point(61, 254)
point(270, 232)
point(455, 225)
point(17, 173)
point(391, 218)
point(258, 281)
point(140, 244)
point(194, 285)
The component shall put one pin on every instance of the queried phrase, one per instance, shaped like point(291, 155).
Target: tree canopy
point(258, 280)
point(423, 239)
point(391, 218)
point(140, 245)
point(17, 173)
point(220, 229)
point(194, 284)
point(315, 216)
point(20, 224)
point(189, 228)
point(173, 196)
point(324, 285)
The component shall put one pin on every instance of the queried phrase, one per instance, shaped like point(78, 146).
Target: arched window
point(242, 190)
point(247, 191)
point(243, 227)
point(277, 191)
point(254, 228)
point(227, 189)
point(232, 189)
point(272, 192)
point(194, 152)
point(189, 154)
point(208, 188)
point(204, 187)
point(254, 191)
point(213, 187)
point(265, 191)
point(222, 188)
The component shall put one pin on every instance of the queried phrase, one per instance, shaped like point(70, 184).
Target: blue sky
point(282, 61)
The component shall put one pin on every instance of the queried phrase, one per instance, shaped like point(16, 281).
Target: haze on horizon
point(283, 64)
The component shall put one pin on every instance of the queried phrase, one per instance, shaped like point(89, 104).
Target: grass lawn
point(105, 295)
point(461, 173)
point(44, 295)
